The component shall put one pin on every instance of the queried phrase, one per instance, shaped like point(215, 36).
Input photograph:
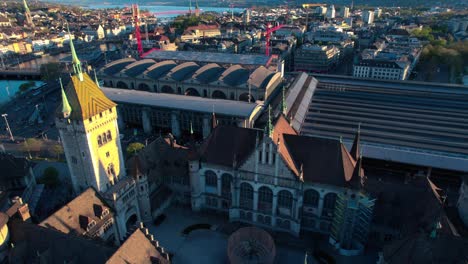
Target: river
point(8, 89)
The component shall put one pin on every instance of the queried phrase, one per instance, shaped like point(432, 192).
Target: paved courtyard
point(203, 246)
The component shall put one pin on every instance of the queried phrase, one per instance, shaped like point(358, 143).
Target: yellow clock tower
point(87, 122)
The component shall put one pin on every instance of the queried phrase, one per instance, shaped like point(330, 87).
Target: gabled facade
point(282, 181)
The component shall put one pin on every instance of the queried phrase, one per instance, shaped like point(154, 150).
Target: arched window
point(329, 204)
point(104, 138)
point(311, 198)
point(285, 201)
point(265, 199)
point(211, 179)
point(109, 135)
point(99, 141)
point(246, 196)
point(226, 185)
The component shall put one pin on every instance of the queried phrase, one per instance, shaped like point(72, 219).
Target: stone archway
point(192, 92)
point(143, 87)
point(245, 97)
point(122, 85)
point(131, 221)
point(167, 89)
point(217, 94)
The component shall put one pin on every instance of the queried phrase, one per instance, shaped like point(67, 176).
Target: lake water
point(165, 11)
point(8, 89)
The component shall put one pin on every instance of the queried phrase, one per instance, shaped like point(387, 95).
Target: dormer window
point(105, 213)
point(91, 225)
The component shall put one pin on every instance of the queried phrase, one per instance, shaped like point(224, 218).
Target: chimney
point(24, 213)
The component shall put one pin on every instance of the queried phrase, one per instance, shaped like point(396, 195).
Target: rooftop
point(173, 101)
point(75, 216)
point(209, 57)
point(398, 119)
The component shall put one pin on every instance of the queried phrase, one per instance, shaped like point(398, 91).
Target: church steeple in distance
point(27, 14)
point(66, 108)
point(75, 61)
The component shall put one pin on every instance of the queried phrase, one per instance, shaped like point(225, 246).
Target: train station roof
point(181, 102)
point(209, 57)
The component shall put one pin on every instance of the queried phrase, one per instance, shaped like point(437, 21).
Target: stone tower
point(142, 187)
point(197, 9)
point(87, 123)
point(27, 15)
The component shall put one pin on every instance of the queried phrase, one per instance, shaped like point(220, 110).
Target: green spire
point(66, 108)
point(96, 79)
point(196, 4)
point(190, 6)
point(75, 61)
point(283, 102)
point(25, 6)
point(270, 124)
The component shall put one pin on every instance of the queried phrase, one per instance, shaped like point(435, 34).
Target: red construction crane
point(136, 14)
point(268, 36)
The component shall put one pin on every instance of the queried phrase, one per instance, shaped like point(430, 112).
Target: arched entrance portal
point(122, 85)
point(245, 97)
point(167, 89)
point(131, 221)
point(192, 92)
point(218, 95)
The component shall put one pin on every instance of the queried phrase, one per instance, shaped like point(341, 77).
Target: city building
point(368, 17)
point(86, 215)
point(377, 12)
point(382, 70)
point(195, 32)
point(340, 103)
point(87, 123)
point(189, 78)
point(315, 58)
point(281, 181)
point(345, 12)
point(331, 12)
point(25, 242)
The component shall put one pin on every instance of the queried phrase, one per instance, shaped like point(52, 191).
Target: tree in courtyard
point(32, 145)
point(134, 147)
point(57, 150)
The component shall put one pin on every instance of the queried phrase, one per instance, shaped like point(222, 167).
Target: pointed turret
point(283, 102)
point(358, 179)
point(356, 148)
point(96, 79)
point(26, 8)
point(75, 61)
point(27, 14)
point(197, 9)
point(66, 108)
point(214, 122)
point(190, 7)
point(270, 124)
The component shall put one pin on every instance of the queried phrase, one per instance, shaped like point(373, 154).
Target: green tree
point(50, 178)
point(32, 145)
point(134, 148)
point(25, 86)
point(57, 150)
